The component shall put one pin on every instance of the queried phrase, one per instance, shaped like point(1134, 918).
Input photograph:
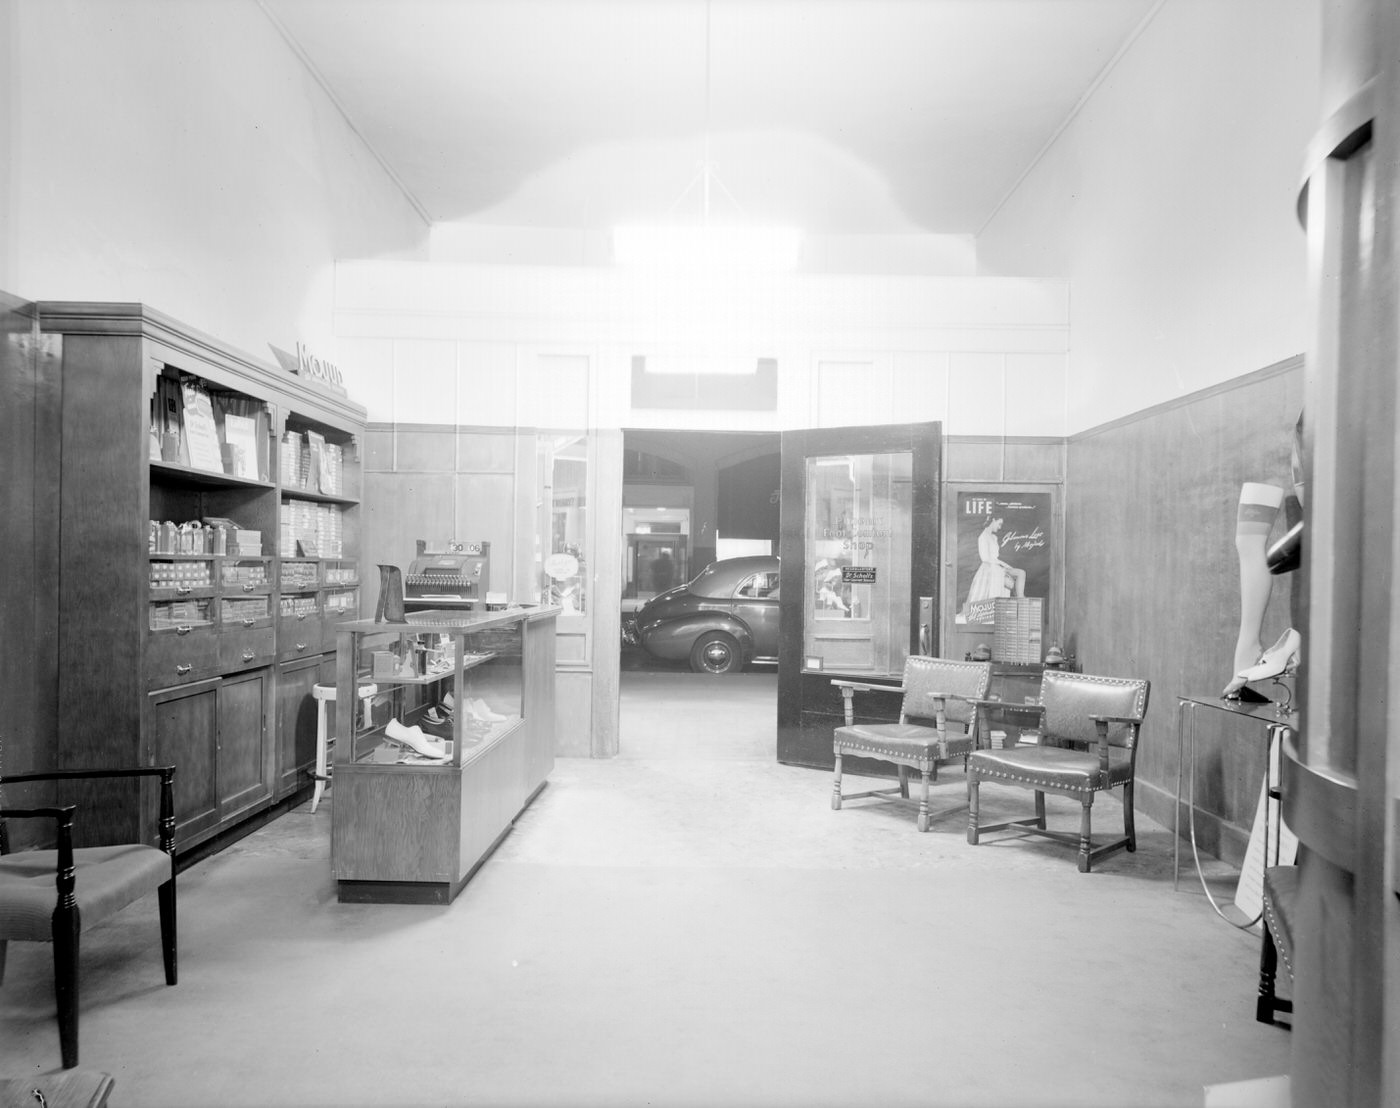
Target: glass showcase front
point(859, 546)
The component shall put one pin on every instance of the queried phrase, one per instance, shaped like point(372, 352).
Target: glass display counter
point(456, 742)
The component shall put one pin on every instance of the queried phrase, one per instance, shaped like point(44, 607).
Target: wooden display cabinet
point(408, 830)
point(171, 654)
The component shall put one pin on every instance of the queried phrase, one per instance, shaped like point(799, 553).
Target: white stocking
point(1259, 505)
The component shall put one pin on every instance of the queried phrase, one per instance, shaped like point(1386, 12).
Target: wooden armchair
point(1086, 743)
point(939, 718)
point(52, 895)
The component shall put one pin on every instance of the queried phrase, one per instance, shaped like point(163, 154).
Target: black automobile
point(721, 621)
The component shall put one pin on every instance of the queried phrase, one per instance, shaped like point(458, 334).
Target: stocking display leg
point(1258, 508)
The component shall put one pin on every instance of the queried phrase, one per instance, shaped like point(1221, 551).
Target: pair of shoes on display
point(415, 740)
point(436, 716)
point(1281, 658)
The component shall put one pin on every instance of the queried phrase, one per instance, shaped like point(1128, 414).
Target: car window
point(758, 586)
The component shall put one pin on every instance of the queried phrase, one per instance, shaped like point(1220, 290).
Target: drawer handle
point(182, 670)
point(301, 646)
point(183, 629)
point(249, 587)
point(183, 590)
point(249, 622)
point(248, 655)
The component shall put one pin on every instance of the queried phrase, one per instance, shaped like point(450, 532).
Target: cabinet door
point(244, 760)
point(296, 719)
point(184, 730)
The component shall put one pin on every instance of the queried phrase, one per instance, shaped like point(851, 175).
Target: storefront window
point(859, 543)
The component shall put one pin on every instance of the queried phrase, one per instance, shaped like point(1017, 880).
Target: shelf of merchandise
point(212, 693)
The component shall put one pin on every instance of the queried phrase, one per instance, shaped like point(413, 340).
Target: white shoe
point(1282, 657)
point(479, 709)
point(415, 740)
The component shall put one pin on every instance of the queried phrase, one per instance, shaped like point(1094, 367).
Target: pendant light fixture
point(707, 246)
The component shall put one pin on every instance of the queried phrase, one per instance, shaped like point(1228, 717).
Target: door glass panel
point(859, 547)
point(561, 566)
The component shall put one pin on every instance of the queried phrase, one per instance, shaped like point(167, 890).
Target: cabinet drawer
point(175, 657)
point(300, 636)
point(241, 649)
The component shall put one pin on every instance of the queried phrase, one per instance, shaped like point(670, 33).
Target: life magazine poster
point(1003, 551)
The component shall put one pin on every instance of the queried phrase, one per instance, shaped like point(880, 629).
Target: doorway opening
point(692, 499)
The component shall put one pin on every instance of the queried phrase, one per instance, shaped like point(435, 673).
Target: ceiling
point(841, 117)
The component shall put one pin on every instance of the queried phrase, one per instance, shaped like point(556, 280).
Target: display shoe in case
point(415, 740)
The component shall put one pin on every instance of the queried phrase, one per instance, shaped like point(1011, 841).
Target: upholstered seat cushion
point(108, 879)
point(904, 742)
point(1280, 901)
point(1052, 767)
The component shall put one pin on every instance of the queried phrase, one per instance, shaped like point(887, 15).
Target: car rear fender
point(696, 624)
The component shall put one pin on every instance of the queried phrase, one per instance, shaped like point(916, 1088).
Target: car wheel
point(716, 652)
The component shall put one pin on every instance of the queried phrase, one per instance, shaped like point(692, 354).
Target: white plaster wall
point(1168, 204)
point(180, 155)
point(508, 346)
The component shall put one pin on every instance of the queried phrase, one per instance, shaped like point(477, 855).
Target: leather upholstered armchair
point(1085, 743)
point(940, 717)
point(54, 895)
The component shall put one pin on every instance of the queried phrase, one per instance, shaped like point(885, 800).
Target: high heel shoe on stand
point(1282, 657)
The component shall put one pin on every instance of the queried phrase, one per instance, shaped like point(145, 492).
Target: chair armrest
point(167, 791)
point(865, 686)
point(60, 814)
point(78, 774)
point(849, 690)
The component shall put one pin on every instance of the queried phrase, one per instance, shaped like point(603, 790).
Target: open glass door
point(859, 570)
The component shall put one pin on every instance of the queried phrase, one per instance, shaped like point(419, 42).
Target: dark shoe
point(1286, 555)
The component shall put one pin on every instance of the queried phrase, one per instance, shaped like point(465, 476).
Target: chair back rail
point(926, 678)
point(1071, 699)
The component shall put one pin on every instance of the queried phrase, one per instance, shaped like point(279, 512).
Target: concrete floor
point(687, 924)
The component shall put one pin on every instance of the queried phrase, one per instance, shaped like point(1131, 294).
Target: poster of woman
point(1003, 551)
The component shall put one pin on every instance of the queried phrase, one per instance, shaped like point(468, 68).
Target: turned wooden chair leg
point(168, 947)
point(1084, 840)
point(1129, 829)
point(1268, 978)
point(836, 787)
point(65, 982)
point(1040, 809)
point(923, 804)
point(904, 782)
point(4, 944)
point(972, 800)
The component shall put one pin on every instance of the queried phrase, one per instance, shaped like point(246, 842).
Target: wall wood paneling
point(1152, 576)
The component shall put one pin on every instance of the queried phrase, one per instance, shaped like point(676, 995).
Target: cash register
point(457, 576)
